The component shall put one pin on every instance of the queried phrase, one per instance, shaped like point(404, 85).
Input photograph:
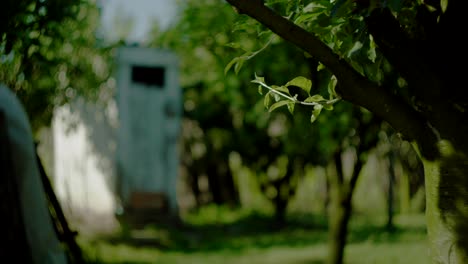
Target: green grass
point(230, 236)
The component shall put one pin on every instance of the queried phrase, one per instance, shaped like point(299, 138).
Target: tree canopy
point(363, 43)
point(396, 59)
point(49, 54)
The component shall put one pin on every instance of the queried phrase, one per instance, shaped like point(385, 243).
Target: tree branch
point(352, 86)
point(414, 60)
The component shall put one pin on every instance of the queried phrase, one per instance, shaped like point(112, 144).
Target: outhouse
point(150, 107)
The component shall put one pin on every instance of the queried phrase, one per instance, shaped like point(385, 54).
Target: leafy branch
point(282, 95)
point(239, 61)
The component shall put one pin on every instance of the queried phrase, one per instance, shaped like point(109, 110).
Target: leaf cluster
point(218, 93)
point(53, 56)
point(283, 96)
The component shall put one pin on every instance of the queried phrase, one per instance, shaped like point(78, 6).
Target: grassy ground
point(214, 236)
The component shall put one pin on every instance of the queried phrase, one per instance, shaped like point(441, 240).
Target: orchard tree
point(216, 103)
point(49, 54)
point(411, 44)
point(361, 138)
point(274, 144)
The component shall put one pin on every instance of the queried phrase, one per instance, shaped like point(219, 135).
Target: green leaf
point(356, 47)
point(291, 107)
point(277, 97)
point(316, 112)
point(229, 65)
point(306, 17)
point(331, 87)
point(314, 99)
point(313, 118)
point(278, 104)
point(233, 45)
point(258, 79)
point(301, 82)
point(244, 23)
point(328, 107)
point(280, 88)
point(314, 7)
point(238, 61)
point(340, 8)
point(238, 65)
point(320, 67)
point(260, 90)
point(307, 55)
point(371, 53)
point(443, 5)
point(267, 100)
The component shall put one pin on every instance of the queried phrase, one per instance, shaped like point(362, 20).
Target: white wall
point(84, 165)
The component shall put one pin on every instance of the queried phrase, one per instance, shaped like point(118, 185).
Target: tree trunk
point(326, 202)
point(405, 200)
point(339, 216)
point(280, 211)
point(446, 206)
point(390, 190)
point(230, 191)
point(341, 194)
point(214, 184)
point(221, 182)
point(193, 180)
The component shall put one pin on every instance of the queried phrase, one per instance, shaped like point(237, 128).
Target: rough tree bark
point(447, 205)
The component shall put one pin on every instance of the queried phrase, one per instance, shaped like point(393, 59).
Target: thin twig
point(328, 102)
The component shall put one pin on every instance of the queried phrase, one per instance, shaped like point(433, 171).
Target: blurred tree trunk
point(192, 169)
point(447, 205)
point(390, 189)
point(280, 203)
point(340, 213)
point(193, 180)
point(411, 174)
point(341, 194)
point(221, 181)
point(213, 164)
point(341, 189)
point(285, 188)
point(404, 191)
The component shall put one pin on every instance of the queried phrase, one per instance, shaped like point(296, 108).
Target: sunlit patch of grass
point(104, 252)
point(213, 214)
point(387, 253)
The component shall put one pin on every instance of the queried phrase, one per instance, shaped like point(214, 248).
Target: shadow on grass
point(254, 231)
point(113, 262)
point(307, 261)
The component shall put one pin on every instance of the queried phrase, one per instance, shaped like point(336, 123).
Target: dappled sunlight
point(83, 172)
